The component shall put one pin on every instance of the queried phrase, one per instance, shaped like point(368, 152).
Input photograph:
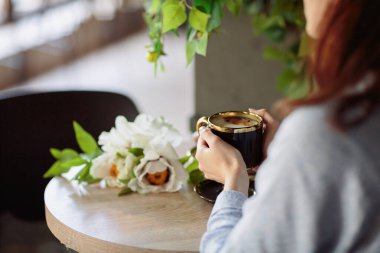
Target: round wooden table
point(104, 222)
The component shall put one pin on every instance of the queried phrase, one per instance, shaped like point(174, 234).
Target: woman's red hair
point(346, 61)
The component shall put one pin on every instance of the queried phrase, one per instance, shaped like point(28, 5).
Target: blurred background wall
point(39, 35)
point(234, 75)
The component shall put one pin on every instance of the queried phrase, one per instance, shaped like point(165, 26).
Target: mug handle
point(202, 122)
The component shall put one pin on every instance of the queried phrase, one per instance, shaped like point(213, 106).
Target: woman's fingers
point(195, 136)
point(202, 149)
point(267, 117)
point(270, 127)
point(207, 137)
point(202, 144)
point(220, 161)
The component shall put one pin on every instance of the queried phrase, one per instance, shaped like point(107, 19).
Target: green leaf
point(124, 181)
point(90, 156)
point(190, 33)
point(184, 159)
point(154, 7)
point(216, 17)
point(85, 141)
point(137, 161)
point(94, 181)
point(136, 151)
point(273, 27)
point(234, 6)
point(196, 176)
point(268, 24)
point(173, 14)
point(204, 5)
point(190, 51)
point(255, 8)
point(285, 78)
point(68, 154)
point(306, 45)
point(276, 34)
point(201, 44)
point(194, 165)
point(298, 89)
point(60, 165)
point(56, 153)
point(120, 156)
point(272, 53)
point(293, 84)
point(280, 7)
point(150, 25)
point(74, 162)
point(64, 155)
point(299, 17)
point(274, 21)
point(55, 170)
point(84, 174)
point(158, 47)
point(125, 191)
point(198, 20)
point(193, 151)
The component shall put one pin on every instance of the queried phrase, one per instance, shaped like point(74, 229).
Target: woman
point(318, 189)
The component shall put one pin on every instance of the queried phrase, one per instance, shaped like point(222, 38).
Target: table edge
point(89, 243)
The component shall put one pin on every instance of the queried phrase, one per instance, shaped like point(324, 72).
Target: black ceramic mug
point(242, 130)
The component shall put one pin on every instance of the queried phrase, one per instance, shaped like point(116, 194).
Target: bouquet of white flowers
point(135, 156)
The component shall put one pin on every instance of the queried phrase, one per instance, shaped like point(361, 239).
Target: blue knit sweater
point(317, 191)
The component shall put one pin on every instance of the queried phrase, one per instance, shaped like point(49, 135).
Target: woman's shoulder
point(312, 124)
point(308, 149)
point(307, 123)
point(308, 138)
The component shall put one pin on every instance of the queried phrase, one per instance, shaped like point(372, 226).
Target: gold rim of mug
point(251, 115)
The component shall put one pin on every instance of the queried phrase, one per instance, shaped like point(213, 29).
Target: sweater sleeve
point(226, 213)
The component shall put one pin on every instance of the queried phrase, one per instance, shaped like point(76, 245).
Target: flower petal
point(177, 178)
point(125, 166)
point(101, 166)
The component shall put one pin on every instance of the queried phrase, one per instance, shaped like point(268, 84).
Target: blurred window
point(35, 26)
point(5, 9)
point(23, 7)
point(12, 10)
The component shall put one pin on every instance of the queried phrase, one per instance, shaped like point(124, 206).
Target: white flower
point(157, 129)
point(113, 168)
point(139, 133)
point(158, 170)
point(119, 138)
point(160, 163)
point(101, 166)
point(126, 166)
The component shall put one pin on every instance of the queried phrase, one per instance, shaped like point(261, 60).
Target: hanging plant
point(282, 21)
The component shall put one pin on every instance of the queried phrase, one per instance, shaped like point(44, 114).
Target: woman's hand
point(270, 127)
point(221, 162)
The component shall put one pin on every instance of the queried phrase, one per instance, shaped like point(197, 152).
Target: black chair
point(30, 124)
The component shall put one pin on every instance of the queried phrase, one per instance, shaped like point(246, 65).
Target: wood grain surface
point(104, 222)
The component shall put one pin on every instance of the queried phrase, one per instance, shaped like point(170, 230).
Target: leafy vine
point(282, 21)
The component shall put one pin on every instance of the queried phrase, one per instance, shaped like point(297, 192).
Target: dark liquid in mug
point(249, 143)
